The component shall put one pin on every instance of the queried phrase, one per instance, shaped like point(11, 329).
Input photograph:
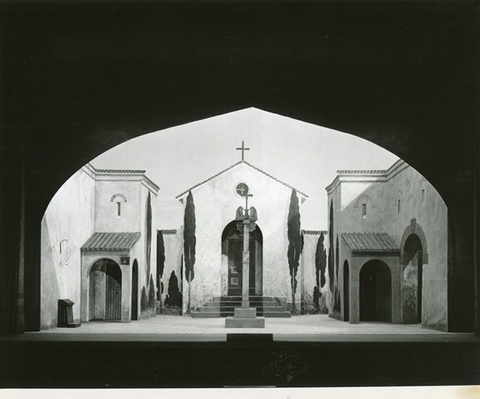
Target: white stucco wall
point(173, 258)
point(216, 203)
point(82, 206)
point(69, 216)
point(307, 273)
point(430, 213)
point(106, 219)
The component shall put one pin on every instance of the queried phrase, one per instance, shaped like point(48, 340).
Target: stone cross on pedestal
point(245, 317)
point(246, 256)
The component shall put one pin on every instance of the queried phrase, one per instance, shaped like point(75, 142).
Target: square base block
point(244, 322)
point(245, 312)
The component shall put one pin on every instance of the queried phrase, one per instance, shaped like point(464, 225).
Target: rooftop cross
point(243, 149)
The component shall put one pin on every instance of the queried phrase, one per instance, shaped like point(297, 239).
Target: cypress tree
point(295, 242)
point(189, 243)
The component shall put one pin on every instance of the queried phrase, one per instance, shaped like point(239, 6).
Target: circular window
point(242, 189)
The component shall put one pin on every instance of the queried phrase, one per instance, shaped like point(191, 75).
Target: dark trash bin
point(65, 313)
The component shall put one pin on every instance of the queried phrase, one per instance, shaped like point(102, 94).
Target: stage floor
point(309, 328)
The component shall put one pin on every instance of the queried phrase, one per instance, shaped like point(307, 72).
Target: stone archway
point(232, 247)
point(105, 290)
point(412, 280)
point(375, 292)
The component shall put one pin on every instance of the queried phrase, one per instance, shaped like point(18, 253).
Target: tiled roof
point(111, 242)
point(370, 242)
point(362, 172)
point(231, 167)
point(168, 231)
point(119, 171)
point(314, 232)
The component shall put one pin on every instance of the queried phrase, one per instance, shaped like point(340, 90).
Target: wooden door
point(235, 267)
point(113, 300)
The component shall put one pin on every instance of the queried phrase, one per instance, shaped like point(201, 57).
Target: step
point(214, 305)
point(284, 313)
point(207, 315)
point(231, 308)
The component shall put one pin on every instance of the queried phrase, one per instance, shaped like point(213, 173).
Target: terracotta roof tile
point(111, 242)
point(370, 242)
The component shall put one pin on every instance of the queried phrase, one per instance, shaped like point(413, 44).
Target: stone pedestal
point(245, 318)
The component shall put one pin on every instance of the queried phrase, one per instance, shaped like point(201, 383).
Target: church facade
point(219, 241)
point(388, 252)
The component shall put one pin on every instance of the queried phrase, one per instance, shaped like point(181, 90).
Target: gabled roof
point(370, 242)
point(234, 165)
point(111, 242)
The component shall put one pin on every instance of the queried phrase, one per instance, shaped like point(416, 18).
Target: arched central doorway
point(412, 277)
point(375, 292)
point(105, 290)
point(232, 247)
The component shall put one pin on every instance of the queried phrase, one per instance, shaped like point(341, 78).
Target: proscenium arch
point(375, 291)
point(426, 258)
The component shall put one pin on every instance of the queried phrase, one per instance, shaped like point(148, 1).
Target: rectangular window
point(119, 209)
point(423, 195)
point(398, 206)
point(364, 210)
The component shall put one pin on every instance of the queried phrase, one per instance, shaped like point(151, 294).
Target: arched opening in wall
point(337, 304)
point(232, 247)
point(375, 292)
point(105, 291)
point(412, 280)
point(135, 290)
point(346, 291)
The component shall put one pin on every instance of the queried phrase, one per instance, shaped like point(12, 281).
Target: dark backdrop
point(78, 79)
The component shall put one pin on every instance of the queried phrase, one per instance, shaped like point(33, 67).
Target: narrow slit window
point(364, 210)
point(119, 209)
point(398, 205)
point(423, 195)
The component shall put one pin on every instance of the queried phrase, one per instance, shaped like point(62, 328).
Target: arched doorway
point(412, 276)
point(346, 291)
point(232, 247)
point(375, 292)
point(105, 290)
point(135, 290)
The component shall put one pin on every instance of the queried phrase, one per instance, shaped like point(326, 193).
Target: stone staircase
point(224, 306)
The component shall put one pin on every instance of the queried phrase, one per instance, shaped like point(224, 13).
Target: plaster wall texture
point(69, 216)
point(173, 259)
point(431, 215)
point(418, 200)
point(307, 274)
point(216, 203)
point(106, 219)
